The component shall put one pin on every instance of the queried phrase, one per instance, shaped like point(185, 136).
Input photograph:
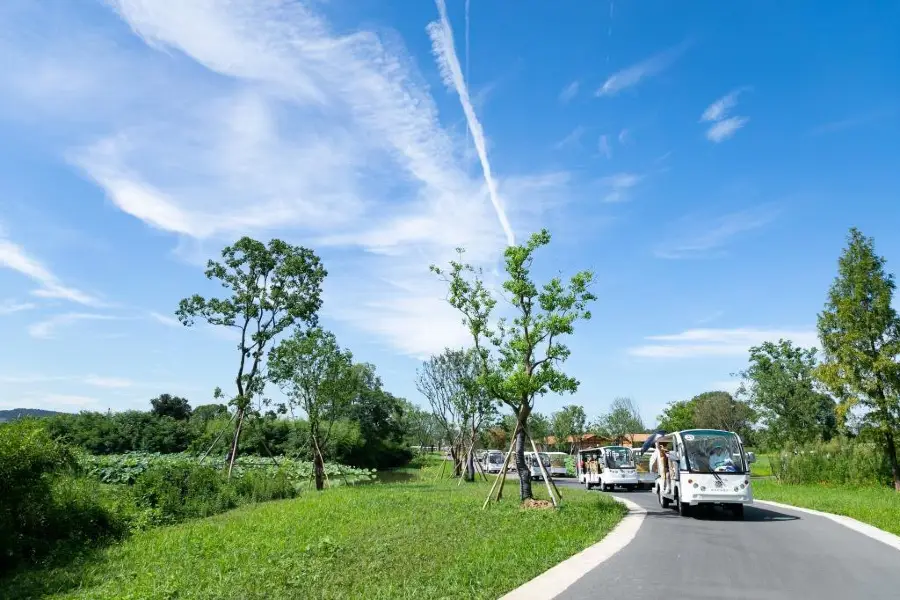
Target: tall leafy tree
point(269, 288)
point(569, 421)
point(450, 382)
point(719, 410)
point(521, 358)
point(677, 416)
point(623, 420)
point(780, 384)
point(860, 335)
point(317, 375)
point(540, 427)
point(167, 405)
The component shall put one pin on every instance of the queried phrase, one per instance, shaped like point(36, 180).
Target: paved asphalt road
point(772, 554)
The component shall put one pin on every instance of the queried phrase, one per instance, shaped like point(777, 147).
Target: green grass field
point(876, 506)
point(762, 467)
point(409, 540)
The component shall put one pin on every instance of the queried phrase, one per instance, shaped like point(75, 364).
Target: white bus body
point(608, 467)
point(533, 465)
point(558, 463)
point(707, 466)
point(492, 461)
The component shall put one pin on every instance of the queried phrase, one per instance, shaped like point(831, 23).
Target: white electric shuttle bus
point(705, 466)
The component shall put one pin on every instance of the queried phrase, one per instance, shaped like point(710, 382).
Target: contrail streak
point(445, 52)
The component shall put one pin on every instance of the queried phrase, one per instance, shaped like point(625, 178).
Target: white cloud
point(695, 238)
point(729, 385)
point(699, 343)
point(719, 109)
point(569, 92)
point(445, 52)
point(14, 257)
point(723, 130)
point(636, 73)
point(722, 127)
point(165, 320)
point(108, 382)
point(618, 186)
point(603, 146)
point(251, 118)
point(624, 136)
point(572, 139)
point(9, 307)
point(46, 329)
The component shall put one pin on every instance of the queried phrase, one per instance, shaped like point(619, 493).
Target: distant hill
point(18, 413)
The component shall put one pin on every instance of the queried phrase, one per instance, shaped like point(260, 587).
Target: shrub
point(183, 491)
point(43, 501)
point(838, 462)
point(172, 492)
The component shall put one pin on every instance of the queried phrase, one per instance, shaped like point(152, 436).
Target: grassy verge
point(876, 506)
point(412, 540)
point(762, 467)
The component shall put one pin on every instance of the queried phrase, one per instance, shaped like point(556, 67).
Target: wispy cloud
point(47, 328)
point(569, 92)
point(60, 402)
point(13, 256)
point(700, 238)
point(256, 118)
point(700, 343)
point(165, 319)
point(851, 122)
point(572, 139)
point(445, 52)
point(603, 146)
point(108, 382)
point(710, 317)
point(624, 136)
point(619, 185)
point(8, 307)
point(723, 127)
point(636, 73)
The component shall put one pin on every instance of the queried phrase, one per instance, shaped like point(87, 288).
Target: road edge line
point(560, 577)
point(865, 529)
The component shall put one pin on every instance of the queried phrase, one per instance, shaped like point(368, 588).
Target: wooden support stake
point(544, 472)
point(501, 475)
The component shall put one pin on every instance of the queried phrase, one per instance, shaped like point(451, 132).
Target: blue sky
point(705, 159)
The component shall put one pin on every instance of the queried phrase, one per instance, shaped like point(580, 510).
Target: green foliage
point(780, 383)
point(414, 540)
point(318, 376)
point(838, 462)
point(623, 419)
point(380, 417)
point(521, 358)
point(43, 503)
point(127, 468)
point(167, 405)
point(538, 426)
point(860, 334)
point(719, 410)
point(677, 416)
point(568, 421)
point(110, 433)
point(270, 288)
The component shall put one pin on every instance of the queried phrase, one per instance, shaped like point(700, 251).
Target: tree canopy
point(780, 384)
point(269, 288)
point(520, 357)
point(860, 334)
point(167, 405)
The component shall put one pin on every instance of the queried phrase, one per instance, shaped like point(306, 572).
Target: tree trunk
point(454, 456)
point(319, 468)
point(470, 467)
point(522, 468)
point(891, 448)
